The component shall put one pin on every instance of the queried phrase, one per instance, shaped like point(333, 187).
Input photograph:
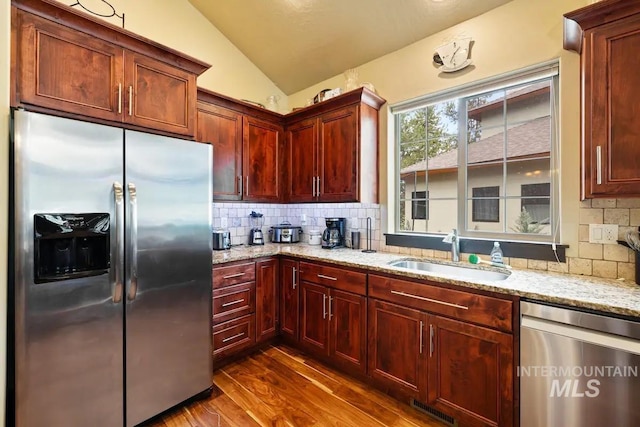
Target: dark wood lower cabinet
point(289, 299)
point(348, 334)
point(397, 358)
point(471, 373)
point(266, 299)
point(333, 325)
point(314, 327)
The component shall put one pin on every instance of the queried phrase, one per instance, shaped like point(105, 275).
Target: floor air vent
point(440, 416)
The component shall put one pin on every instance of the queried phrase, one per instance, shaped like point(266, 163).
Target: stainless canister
point(355, 240)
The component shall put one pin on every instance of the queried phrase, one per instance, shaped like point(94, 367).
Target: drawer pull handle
point(449, 304)
point(322, 276)
point(421, 332)
point(231, 276)
point(294, 277)
point(330, 313)
point(227, 304)
point(233, 337)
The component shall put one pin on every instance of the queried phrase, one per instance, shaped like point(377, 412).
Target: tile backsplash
point(607, 261)
point(237, 218)
point(599, 260)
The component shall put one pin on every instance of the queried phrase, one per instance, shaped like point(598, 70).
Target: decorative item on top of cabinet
point(69, 63)
point(607, 35)
point(246, 144)
point(332, 150)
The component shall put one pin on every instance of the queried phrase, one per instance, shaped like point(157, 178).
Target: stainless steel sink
point(455, 271)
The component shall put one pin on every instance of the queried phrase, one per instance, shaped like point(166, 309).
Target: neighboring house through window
point(480, 158)
point(485, 204)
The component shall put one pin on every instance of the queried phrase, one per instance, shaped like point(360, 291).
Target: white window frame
point(531, 74)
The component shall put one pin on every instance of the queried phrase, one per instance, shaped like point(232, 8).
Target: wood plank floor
point(281, 387)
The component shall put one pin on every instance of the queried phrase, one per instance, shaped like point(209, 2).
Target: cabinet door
point(289, 298)
point(266, 299)
point(159, 96)
point(611, 155)
point(65, 70)
point(347, 342)
point(222, 129)
point(302, 141)
point(396, 357)
point(261, 163)
point(314, 323)
point(338, 155)
point(470, 368)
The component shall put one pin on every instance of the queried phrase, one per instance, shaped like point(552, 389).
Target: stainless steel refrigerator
point(110, 287)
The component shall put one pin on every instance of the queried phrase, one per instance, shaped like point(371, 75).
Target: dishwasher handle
point(602, 339)
point(596, 322)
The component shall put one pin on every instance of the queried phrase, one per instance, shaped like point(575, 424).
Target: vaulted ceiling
point(298, 43)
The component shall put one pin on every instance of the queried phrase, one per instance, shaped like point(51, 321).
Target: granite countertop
point(605, 295)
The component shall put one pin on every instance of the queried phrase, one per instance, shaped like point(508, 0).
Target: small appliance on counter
point(256, 221)
point(285, 233)
point(221, 240)
point(314, 237)
point(334, 235)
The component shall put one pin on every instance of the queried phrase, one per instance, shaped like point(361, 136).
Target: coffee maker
point(334, 234)
point(256, 221)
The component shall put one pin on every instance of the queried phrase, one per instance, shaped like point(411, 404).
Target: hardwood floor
point(282, 387)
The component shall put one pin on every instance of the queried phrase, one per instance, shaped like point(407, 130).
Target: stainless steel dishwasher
point(578, 369)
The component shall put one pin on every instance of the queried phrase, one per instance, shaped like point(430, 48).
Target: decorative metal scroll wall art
point(103, 15)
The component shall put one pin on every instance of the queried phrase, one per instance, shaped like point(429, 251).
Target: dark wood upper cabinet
point(261, 160)
point(302, 161)
point(222, 128)
point(69, 63)
point(332, 150)
point(289, 299)
point(267, 273)
point(247, 148)
point(607, 35)
point(470, 368)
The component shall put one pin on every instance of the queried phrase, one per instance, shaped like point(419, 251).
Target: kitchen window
point(481, 158)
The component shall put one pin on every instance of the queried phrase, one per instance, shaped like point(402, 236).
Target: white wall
point(519, 34)
point(177, 24)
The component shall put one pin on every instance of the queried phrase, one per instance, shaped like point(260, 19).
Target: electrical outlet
point(606, 234)
point(224, 222)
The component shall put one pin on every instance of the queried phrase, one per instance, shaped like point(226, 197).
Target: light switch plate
point(606, 234)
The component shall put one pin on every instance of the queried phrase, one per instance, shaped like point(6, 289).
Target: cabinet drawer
point(233, 274)
point(233, 301)
point(492, 312)
point(337, 278)
point(233, 336)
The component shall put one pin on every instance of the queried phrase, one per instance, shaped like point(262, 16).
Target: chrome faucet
point(455, 244)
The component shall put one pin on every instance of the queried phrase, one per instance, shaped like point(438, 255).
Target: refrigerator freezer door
point(68, 333)
point(168, 286)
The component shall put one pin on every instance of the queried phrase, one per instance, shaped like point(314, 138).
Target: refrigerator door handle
point(117, 289)
point(133, 211)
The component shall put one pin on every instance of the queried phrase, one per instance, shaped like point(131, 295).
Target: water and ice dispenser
point(69, 246)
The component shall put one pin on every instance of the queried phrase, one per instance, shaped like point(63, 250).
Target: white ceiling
point(298, 43)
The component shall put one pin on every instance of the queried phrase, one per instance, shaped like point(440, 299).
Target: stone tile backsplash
point(607, 261)
point(236, 216)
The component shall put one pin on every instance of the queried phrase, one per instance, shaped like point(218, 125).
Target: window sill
point(527, 250)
